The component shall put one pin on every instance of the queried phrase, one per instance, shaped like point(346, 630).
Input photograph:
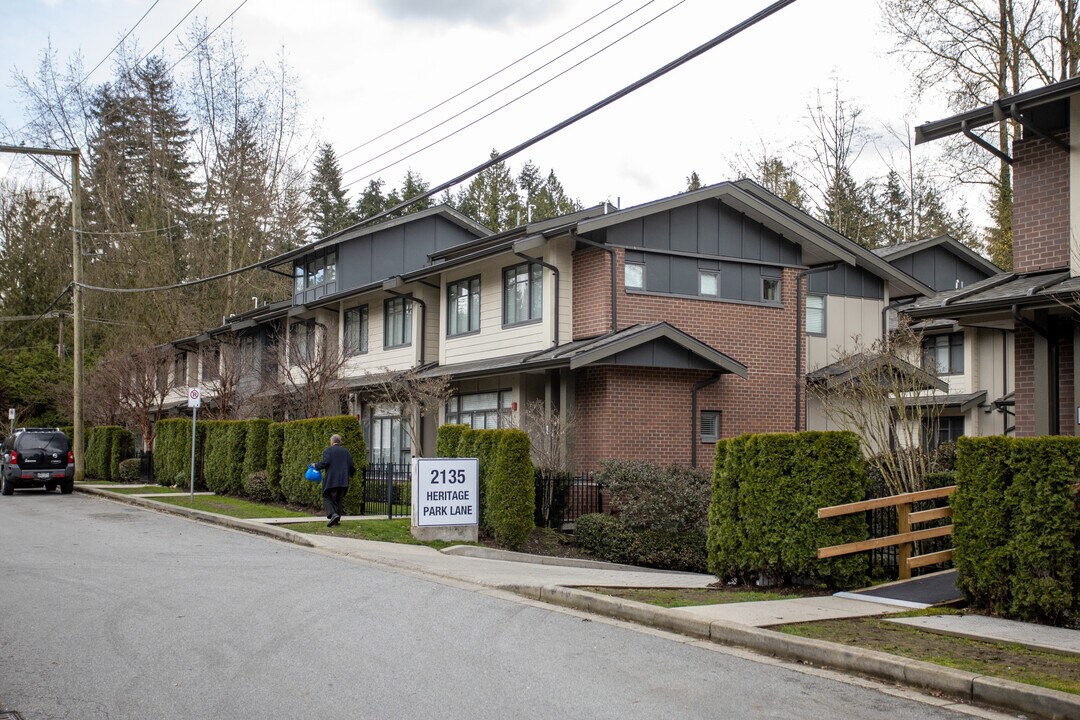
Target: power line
point(207, 36)
point(131, 232)
point(501, 70)
point(507, 87)
point(636, 85)
point(171, 31)
point(39, 317)
point(126, 35)
point(512, 101)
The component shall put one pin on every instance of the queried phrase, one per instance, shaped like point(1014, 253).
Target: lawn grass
point(1003, 660)
point(394, 531)
point(233, 507)
point(148, 490)
point(686, 597)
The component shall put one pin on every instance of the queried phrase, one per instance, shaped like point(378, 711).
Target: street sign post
point(11, 420)
point(194, 401)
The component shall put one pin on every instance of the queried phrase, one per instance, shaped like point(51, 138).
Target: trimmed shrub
point(223, 455)
point(763, 514)
point(447, 439)
point(648, 497)
point(275, 444)
point(608, 538)
point(105, 445)
point(480, 444)
point(172, 452)
point(510, 490)
point(257, 487)
point(255, 446)
point(128, 470)
point(304, 442)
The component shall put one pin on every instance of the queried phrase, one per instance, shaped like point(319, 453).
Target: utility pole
point(76, 295)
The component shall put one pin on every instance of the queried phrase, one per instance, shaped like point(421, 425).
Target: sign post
point(194, 401)
point(445, 498)
point(11, 419)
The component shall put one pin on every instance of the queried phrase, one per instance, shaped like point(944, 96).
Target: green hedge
point(172, 452)
point(129, 470)
point(1016, 526)
point(223, 450)
point(275, 443)
point(447, 439)
point(608, 538)
point(511, 490)
point(255, 444)
point(105, 446)
point(304, 442)
point(481, 444)
point(763, 515)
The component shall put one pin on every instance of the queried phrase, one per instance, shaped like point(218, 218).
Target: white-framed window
point(708, 283)
point(397, 322)
point(634, 276)
point(710, 426)
point(463, 306)
point(480, 411)
point(770, 289)
point(523, 293)
point(815, 314)
point(356, 330)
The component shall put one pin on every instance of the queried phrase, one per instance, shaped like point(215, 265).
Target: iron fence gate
point(563, 498)
point(387, 490)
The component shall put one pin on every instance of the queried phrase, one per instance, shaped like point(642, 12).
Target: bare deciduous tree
point(309, 362)
point(136, 384)
point(410, 394)
point(551, 434)
point(881, 394)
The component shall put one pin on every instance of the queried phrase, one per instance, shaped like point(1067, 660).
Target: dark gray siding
point(659, 353)
point(679, 275)
point(848, 281)
point(394, 251)
point(705, 228)
point(939, 268)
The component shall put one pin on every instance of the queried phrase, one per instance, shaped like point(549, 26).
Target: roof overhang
point(876, 368)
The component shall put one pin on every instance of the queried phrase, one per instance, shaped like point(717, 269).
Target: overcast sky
point(366, 65)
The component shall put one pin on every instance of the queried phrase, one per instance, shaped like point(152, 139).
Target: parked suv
point(37, 457)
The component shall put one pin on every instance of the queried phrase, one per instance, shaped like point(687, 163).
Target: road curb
point(202, 516)
point(968, 686)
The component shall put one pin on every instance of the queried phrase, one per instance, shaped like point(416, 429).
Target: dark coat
point(338, 464)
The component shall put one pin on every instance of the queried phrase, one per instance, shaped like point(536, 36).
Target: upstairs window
point(523, 293)
point(356, 330)
point(397, 323)
point(315, 275)
point(180, 370)
point(770, 289)
point(463, 306)
point(815, 314)
point(634, 276)
point(250, 349)
point(302, 342)
point(708, 283)
point(944, 354)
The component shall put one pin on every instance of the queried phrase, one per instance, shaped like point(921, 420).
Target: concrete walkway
point(981, 627)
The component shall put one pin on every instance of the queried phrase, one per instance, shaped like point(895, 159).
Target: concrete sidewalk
point(740, 624)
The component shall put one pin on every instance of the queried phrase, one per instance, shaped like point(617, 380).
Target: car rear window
point(49, 442)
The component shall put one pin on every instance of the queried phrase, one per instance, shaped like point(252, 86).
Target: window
point(301, 342)
point(298, 279)
point(389, 442)
point(815, 314)
point(708, 283)
point(316, 272)
point(250, 348)
point(480, 411)
point(463, 306)
point(944, 354)
point(356, 330)
point(770, 289)
point(634, 276)
point(180, 370)
point(710, 426)
point(523, 293)
point(397, 323)
point(211, 362)
point(941, 430)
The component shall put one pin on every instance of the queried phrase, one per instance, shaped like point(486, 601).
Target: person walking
point(338, 464)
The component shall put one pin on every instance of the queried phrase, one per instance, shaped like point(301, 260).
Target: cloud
point(483, 13)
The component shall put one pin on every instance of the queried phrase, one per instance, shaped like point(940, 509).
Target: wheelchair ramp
point(917, 593)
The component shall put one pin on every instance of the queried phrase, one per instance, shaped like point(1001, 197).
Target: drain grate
point(10, 715)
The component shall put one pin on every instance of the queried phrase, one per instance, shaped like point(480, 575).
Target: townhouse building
point(659, 328)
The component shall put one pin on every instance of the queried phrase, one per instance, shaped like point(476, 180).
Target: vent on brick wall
point(710, 426)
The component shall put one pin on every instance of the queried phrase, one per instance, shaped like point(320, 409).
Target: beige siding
point(849, 322)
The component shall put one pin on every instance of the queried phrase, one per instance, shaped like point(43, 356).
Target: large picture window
point(944, 354)
point(397, 323)
point(356, 330)
point(315, 275)
point(463, 306)
point(523, 293)
point(480, 411)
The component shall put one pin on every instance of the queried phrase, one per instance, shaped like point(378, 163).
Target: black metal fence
point(387, 490)
point(563, 498)
point(881, 522)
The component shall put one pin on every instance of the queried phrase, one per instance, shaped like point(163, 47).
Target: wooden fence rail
point(905, 537)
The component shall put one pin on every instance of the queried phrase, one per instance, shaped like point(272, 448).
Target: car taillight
point(71, 456)
point(14, 458)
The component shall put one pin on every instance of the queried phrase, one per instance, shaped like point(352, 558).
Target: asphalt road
point(109, 611)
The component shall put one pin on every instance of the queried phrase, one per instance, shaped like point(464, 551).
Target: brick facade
point(1024, 382)
point(1040, 205)
point(628, 410)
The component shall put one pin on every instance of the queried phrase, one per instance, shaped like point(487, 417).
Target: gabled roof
point(895, 252)
point(820, 243)
point(861, 366)
point(653, 345)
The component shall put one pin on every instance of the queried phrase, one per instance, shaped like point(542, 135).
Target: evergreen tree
point(544, 197)
point(693, 182)
point(999, 236)
point(779, 179)
point(413, 185)
point(371, 201)
point(329, 209)
point(491, 198)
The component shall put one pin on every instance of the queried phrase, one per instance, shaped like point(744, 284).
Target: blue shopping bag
point(312, 474)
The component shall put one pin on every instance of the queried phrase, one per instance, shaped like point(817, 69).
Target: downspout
point(694, 414)
point(1005, 380)
point(799, 335)
point(1052, 360)
point(614, 276)
point(423, 315)
point(555, 271)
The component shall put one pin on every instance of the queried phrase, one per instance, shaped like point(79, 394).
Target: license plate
point(43, 476)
